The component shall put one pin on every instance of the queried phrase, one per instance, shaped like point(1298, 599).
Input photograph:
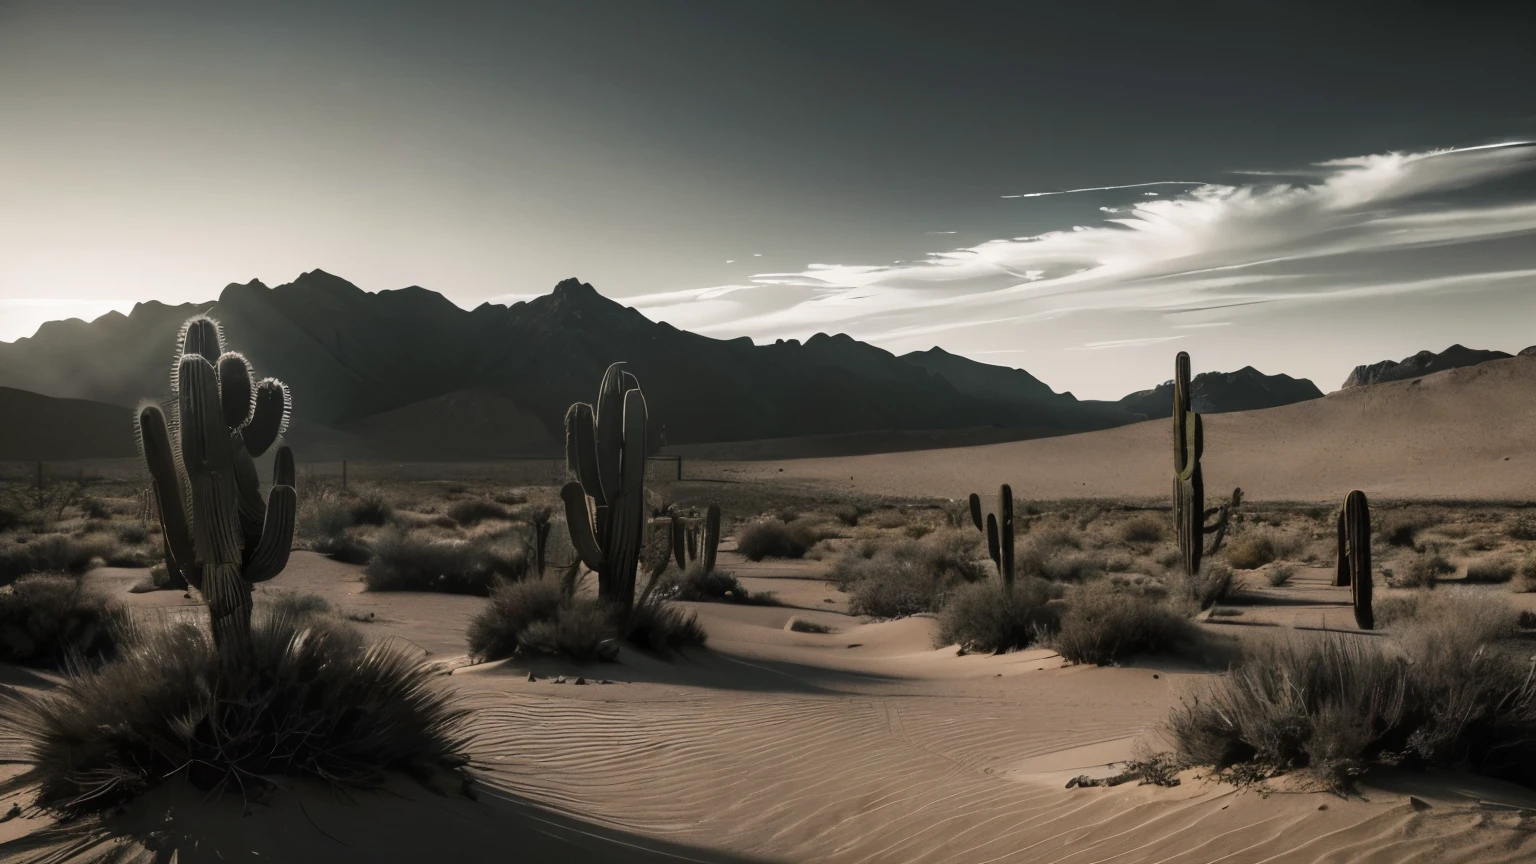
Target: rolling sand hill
point(1462, 434)
point(862, 745)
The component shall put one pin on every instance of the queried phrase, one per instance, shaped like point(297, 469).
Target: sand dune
point(863, 745)
point(1467, 434)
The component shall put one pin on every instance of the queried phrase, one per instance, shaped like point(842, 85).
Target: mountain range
point(1424, 363)
point(408, 374)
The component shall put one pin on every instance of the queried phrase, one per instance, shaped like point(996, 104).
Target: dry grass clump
point(1525, 576)
point(987, 616)
point(370, 507)
point(1279, 574)
point(473, 511)
point(1104, 623)
point(1442, 693)
point(905, 577)
point(699, 585)
point(773, 538)
point(1253, 549)
point(65, 553)
point(315, 701)
point(411, 561)
point(1145, 528)
point(1422, 570)
point(1401, 529)
point(49, 620)
point(1213, 584)
point(1492, 571)
point(544, 616)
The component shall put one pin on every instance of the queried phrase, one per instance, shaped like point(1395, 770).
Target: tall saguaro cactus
point(1355, 556)
point(220, 535)
point(1188, 486)
point(605, 449)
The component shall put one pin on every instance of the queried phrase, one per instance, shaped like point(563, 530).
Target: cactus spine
point(220, 536)
point(1355, 556)
point(605, 449)
point(1188, 486)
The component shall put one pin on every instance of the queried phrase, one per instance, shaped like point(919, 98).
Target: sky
point(1080, 190)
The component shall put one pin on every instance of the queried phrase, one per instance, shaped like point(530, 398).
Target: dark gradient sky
point(486, 150)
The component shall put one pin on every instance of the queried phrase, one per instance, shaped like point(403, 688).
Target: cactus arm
point(578, 520)
point(1005, 533)
point(679, 542)
point(253, 508)
point(975, 503)
point(711, 537)
point(581, 450)
point(270, 555)
point(270, 410)
point(992, 541)
point(237, 395)
point(160, 458)
point(609, 424)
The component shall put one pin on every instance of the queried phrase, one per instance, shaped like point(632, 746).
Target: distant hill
point(41, 428)
point(389, 371)
point(1422, 363)
point(1247, 389)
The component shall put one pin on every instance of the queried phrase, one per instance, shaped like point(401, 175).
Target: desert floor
point(864, 744)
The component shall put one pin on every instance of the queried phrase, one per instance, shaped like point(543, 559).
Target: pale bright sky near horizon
point(1283, 185)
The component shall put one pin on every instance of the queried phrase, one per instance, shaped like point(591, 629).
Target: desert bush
point(55, 620)
point(472, 511)
point(1103, 624)
point(1422, 570)
point(1521, 528)
point(51, 553)
point(323, 519)
point(849, 514)
point(539, 616)
point(95, 508)
point(893, 586)
point(1444, 696)
point(1066, 567)
point(699, 585)
point(1253, 549)
point(987, 616)
point(294, 604)
point(1400, 529)
point(662, 626)
point(404, 561)
point(890, 519)
point(1525, 576)
point(1213, 584)
point(1053, 538)
point(1494, 571)
point(315, 701)
point(133, 533)
point(1143, 529)
point(771, 538)
point(370, 508)
point(1280, 574)
point(908, 576)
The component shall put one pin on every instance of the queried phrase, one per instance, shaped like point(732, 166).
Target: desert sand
point(1463, 434)
point(863, 744)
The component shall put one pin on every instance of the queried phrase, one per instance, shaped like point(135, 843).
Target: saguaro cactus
point(998, 529)
point(1188, 486)
point(228, 538)
point(697, 544)
point(605, 449)
point(1355, 556)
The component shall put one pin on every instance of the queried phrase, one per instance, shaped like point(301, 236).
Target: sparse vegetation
point(409, 561)
point(313, 701)
point(1441, 693)
point(1143, 529)
point(55, 620)
point(772, 538)
point(1422, 570)
point(1491, 571)
point(1280, 574)
point(698, 584)
point(988, 616)
point(1103, 623)
point(544, 616)
point(1253, 549)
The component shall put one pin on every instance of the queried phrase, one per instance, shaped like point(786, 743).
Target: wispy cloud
point(1110, 188)
point(1123, 343)
point(1386, 223)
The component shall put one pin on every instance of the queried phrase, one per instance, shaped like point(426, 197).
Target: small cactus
point(998, 529)
point(605, 507)
point(220, 536)
point(1354, 563)
point(692, 543)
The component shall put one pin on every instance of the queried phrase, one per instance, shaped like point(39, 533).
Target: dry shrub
point(771, 538)
point(1104, 624)
point(315, 701)
point(59, 553)
point(1525, 576)
point(1401, 529)
point(408, 561)
point(473, 511)
point(1444, 692)
point(699, 585)
point(1491, 571)
point(540, 616)
point(1253, 549)
point(1213, 584)
point(371, 507)
point(1522, 527)
point(1422, 570)
point(1145, 528)
point(1280, 574)
point(988, 616)
point(56, 620)
point(907, 576)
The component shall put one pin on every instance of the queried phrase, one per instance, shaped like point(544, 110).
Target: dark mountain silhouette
point(46, 429)
point(1422, 363)
point(1247, 389)
point(372, 364)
